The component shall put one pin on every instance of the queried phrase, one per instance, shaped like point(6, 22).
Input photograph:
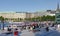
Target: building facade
point(13, 15)
point(43, 13)
point(24, 14)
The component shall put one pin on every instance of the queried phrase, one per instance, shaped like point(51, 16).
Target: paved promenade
point(40, 33)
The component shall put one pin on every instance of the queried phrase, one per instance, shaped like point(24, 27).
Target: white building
point(41, 13)
point(13, 15)
point(24, 14)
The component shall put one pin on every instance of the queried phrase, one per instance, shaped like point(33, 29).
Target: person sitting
point(9, 29)
point(47, 28)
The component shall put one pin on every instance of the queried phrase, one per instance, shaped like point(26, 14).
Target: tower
point(57, 7)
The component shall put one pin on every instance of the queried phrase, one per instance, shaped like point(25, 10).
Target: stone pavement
point(40, 33)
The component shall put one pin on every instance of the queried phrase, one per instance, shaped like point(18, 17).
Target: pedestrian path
point(52, 32)
point(42, 32)
point(27, 33)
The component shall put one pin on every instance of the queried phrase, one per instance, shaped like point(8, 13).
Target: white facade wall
point(32, 15)
point(13, 15)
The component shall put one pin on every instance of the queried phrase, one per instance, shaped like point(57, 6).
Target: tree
point(43, 18)
point(33, 19)
point(2, 20)
point(50, 18)
point(47, 18)
point(6, 19)
point(38, 18)
point(20, 19)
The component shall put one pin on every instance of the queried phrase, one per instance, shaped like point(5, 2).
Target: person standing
point(16, 32)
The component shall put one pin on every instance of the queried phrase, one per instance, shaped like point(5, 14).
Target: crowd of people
point(34, 27)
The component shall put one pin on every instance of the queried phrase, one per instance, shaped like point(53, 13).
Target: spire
point(57, 6)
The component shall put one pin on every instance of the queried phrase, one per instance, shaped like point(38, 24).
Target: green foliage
point(1, 18)
point(17, 19)
point(6, 19)
point(42, 18)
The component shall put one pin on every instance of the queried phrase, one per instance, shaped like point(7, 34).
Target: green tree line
point(40, 18)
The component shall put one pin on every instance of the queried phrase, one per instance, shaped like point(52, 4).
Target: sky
point(28, 5)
